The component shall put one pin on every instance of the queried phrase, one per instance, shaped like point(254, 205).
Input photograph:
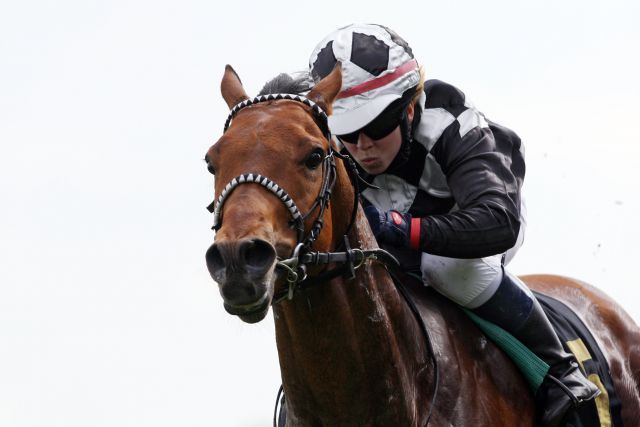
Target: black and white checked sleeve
point(484, 167)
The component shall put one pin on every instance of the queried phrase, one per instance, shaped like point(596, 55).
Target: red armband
point(414, 234)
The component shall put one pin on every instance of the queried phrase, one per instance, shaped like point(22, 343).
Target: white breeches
point(469, 282)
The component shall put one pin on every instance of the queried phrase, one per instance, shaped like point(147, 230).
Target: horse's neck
point(350, 347)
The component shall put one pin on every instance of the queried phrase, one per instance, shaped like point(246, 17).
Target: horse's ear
point(231, 87)
point(325, 92)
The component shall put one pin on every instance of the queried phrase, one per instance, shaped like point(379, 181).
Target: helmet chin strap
point(405, 147)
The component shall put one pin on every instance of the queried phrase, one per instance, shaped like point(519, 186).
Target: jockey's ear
point(326, 90)
point(231, 87)
point(411, 111)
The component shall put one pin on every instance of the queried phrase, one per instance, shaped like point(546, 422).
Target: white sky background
point(108, 316)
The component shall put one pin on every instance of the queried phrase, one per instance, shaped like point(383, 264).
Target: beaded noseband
point(256, 179)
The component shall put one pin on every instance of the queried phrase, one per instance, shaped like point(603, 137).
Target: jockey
point(449, 187)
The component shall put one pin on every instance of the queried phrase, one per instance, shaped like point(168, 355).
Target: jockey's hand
point(389, 227)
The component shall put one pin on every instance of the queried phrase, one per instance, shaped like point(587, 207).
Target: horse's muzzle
point(244, 271)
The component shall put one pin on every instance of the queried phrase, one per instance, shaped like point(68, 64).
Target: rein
point(295, 266)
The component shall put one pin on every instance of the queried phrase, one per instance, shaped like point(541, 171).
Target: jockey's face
point(375, 155)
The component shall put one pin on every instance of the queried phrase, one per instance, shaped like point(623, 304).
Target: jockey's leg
point(483, 286)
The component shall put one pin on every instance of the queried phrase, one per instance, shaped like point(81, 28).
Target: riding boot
point(515, 309)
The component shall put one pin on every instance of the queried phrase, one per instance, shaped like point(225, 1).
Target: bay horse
point(351, 350)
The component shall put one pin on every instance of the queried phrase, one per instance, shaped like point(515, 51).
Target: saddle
point(604, 410)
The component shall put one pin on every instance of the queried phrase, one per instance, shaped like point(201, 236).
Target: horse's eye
point(314, 160)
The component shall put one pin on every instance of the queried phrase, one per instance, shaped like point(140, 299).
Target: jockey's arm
point(486, 191)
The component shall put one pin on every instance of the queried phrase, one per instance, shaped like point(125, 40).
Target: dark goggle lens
point(351, 138)
point(380, 127)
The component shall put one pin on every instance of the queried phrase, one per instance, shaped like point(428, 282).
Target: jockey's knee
point(467, 282)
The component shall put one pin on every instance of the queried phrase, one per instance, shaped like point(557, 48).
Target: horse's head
point(283, 142)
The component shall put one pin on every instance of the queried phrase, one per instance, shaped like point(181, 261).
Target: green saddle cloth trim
point(532, 367)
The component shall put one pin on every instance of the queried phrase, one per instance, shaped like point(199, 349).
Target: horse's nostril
point(251, 257)
point(258, 255)
point(215, 262)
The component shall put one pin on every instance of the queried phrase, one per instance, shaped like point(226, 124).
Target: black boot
point(519, 313)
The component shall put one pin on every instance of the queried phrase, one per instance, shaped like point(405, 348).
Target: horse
point(351, 349)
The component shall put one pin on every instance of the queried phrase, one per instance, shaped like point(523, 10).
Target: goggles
point(380, 127)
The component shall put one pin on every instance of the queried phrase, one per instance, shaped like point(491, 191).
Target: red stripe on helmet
point(379, 81)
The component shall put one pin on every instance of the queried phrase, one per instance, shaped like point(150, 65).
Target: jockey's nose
point(238, 266)
point(364, 142)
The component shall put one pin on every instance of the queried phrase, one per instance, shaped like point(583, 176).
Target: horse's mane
point(297, 83)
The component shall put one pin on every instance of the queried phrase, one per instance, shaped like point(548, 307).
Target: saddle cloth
point(605, 410)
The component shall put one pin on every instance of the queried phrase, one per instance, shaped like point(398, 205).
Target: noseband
point(296, 265)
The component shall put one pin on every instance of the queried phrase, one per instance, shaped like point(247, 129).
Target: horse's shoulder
point(453, 332)
point(467, 360)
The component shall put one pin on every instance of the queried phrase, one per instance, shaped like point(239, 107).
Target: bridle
point(296, 265)
point(329, 172)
